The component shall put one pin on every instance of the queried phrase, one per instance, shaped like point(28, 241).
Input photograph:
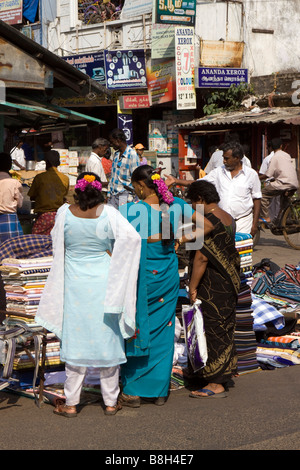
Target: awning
point(28, 114)
point(75, 113)
point(33, 109)
point(259, 116)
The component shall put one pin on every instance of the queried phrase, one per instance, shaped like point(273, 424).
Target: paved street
point(275, 248)
point(260, 413)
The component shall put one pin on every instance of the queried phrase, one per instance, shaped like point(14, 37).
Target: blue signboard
point(125, 69)
point(90, 64)
point(219, 77)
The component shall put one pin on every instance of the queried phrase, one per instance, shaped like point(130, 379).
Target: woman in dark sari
point(215, 280)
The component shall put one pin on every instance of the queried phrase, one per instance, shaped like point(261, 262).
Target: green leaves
point(228, 100)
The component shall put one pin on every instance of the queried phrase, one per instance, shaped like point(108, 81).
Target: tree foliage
point(227, 100)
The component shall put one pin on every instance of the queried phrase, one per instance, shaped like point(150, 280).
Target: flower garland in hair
point(88, 180)
point(162, 188)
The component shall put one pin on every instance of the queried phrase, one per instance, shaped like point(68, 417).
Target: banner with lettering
point(176, 12)
point(185, 66)
point(11, 11)
point(90, 64)
point(134, 101)
point(161, 81)
point(218, 77)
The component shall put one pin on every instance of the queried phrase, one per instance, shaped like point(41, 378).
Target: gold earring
point(141, 192)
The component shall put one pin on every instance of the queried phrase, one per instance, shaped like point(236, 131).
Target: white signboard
point(185, 66)
point(133, 8)
point(163, 41)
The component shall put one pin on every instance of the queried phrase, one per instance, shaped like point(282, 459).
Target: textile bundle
point(24, 280)
point(245, 339)
point(279, 351)
point(276, 298)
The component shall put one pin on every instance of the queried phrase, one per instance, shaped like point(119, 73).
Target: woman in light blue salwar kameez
point(149, 353)
point(89, 297)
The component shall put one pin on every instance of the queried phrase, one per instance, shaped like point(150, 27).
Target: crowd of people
point(112, 291)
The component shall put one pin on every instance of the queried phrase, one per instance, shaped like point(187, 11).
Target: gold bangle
point(180, 241)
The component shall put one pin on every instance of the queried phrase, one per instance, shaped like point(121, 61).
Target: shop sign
point(176, 12)
point(185, 66)
point(125, 69)
point(134, 101)
point(90, 64)
point(11, 11)
point(217, 77)
point(134, 8)
point(81, 101)
point(162, 41)
point(221, 53)
point(161, 81)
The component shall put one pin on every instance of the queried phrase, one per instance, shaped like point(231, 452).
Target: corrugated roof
point(263, 115)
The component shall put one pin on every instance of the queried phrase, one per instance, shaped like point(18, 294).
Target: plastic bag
point(194, 333)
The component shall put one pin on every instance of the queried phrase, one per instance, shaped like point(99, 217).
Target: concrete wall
point(266, 53)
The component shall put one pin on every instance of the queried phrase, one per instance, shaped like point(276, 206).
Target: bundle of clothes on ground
point(276, 297)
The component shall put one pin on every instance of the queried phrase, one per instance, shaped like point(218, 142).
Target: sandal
point(209, 394)
point(61, 410)
point(129, 400)
point(115, 410)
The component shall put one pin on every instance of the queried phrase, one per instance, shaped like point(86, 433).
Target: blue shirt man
point(125, 161)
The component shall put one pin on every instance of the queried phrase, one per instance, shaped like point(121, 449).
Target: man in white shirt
point(238, 186)
point(94, 165)
point(18, 157)
point(217, 160)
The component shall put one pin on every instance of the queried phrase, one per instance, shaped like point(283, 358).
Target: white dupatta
point(122, 277)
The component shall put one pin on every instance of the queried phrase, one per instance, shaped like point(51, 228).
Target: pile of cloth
point(24, 281)
point(279, 351)
point(276, 307)
point(244, 246)
point(245, 339)
point(25, 264)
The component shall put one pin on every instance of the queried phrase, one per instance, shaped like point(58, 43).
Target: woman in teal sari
point(149, 353)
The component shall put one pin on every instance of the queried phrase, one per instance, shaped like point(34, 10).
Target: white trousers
point(109, 381)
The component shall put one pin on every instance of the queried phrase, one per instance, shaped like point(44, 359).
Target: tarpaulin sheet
point(29, 9)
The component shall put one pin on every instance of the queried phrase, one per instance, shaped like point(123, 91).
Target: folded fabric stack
point(24, 281)
point(245, 339)
point(244, 246)
point(279, 351)
point(23, 360)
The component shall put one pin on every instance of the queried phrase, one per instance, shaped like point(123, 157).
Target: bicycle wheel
point(291, 225)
